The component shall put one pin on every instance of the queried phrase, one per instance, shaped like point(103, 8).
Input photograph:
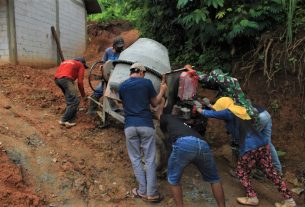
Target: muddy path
point(85, 166)
point(90, 167)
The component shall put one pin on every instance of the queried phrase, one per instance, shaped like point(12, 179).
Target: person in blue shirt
point(111, 54)
point(254, 150)
point(137, 94)
point(265, 127)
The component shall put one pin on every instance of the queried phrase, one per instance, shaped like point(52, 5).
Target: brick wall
point(72, 29)
point(4, 46)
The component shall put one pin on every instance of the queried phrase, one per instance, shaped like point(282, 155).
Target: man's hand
point(189, 68)
point(206, 102)
point(199, 110)
point(163, 87)
point(164, 79)
point(198, 104)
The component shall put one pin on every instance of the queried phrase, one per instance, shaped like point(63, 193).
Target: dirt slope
point(87, 166)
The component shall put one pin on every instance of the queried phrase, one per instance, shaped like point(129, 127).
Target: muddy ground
point(45, 164)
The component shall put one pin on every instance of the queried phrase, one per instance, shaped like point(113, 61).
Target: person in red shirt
point(66, 74)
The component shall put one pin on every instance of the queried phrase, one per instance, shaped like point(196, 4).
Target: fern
point(181, 3)
point(255, 13)
point(247, 23)
point(237, 30)
point(220, 15)
point(215, 3)
point(197, 16)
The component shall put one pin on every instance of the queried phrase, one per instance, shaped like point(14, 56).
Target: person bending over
point(254, 150)
point(188, 147)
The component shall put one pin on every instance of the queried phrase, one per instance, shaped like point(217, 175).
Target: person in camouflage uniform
point(226, 85)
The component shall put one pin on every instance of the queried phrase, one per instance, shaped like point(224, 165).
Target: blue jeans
point(68, 88)
point(188, 150)
point(266, 130)
point(98, 93)
point(137, 138)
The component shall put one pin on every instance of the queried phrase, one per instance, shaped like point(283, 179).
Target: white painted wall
point(72, 27)
point(33, 20)
point(4, 46)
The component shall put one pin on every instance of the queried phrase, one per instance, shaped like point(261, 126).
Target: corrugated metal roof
point(92, 6)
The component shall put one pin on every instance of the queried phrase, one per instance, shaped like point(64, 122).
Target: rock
point(54, 160)
point(27, 76)
point(79, 183)
point(34, 140)
point(43, 105)
point(7, 107)
point(101, 188)
point(53, 195)
point(297, 190)
point(106, 197)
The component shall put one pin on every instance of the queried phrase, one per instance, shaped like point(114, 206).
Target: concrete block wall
point(4, 44)
point(72, 27)
point(33, 20)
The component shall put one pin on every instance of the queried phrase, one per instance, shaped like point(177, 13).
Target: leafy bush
point(115, 10)
point(207, 32)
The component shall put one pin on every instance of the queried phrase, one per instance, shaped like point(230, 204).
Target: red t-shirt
point(73, 70)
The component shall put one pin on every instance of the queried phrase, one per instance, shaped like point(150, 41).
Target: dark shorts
point(188, 150)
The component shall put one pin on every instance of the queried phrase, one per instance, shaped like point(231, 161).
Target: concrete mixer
point(154, 56)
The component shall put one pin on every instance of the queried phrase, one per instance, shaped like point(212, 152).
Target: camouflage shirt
point(227, 86)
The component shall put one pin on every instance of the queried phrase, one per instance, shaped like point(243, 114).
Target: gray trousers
point(68, 88)
point(144, 138)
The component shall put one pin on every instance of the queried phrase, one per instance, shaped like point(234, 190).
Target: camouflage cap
point(217, 72)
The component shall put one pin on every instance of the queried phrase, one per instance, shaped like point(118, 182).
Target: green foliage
point(210, 32)
point(115, 10)
point(290, 9)
point(197, 16)
point(207, 32)
point(299, 17)
point(275, 105)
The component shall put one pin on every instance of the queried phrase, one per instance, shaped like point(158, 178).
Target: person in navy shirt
point(254, 150)
point(137, 94)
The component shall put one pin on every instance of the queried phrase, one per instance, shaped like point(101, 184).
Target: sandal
point(251, 201)
point(136, 194)
point(156, 199)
